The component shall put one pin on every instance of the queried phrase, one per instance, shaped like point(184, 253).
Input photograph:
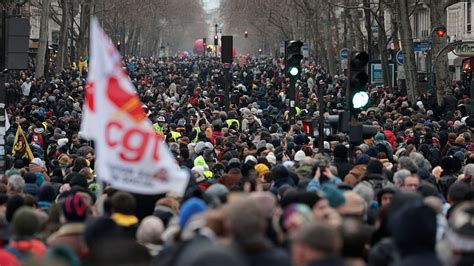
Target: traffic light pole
point(226, 86)
point(292, 97)
point(322, 106)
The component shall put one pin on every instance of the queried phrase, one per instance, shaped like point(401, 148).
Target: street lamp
point(246, 34)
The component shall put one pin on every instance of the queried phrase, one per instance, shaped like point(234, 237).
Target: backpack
point(433, 156)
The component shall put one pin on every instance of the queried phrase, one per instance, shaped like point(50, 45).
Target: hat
point(149, 231)
point(334, 195)
point(181, 122)
point(78, 179)
point(160, 119)
point(460, 234)
point(233, 163)
point(295, 216)
point(379, 136)
point(271, 158)
point(62, 141)
point(250, 158)
point(38, 162)
point(261, 168)
point(299, 156)
point(75, 208)
point(261, 144)
point(25, 222)
point(363, 159)
point(217, 191)
point(190, 208)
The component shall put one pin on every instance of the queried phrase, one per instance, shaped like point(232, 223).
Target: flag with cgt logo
point(130, 155)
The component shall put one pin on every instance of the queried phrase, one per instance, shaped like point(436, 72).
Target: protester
point(260, 188)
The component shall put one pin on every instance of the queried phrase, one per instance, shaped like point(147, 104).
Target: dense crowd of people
point(260, 192)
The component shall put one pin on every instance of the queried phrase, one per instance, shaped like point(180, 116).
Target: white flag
point(130, 155)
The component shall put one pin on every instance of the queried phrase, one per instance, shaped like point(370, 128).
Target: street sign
point(344, 63)
point(421, 46)
point(282, 48)
point(399, 57)
point(344, 53)
point(401, 72)
point(376, 74)
point(305, 50)
point(464, 49)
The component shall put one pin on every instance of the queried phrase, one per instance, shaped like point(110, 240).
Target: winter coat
point(419, 259)
point(70, 235)
point(343, 166)
point(335, 261)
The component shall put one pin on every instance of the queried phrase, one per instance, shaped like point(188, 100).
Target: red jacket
point(390, 138)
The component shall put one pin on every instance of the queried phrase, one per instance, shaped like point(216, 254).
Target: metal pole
point(322, 106)
point(292, 97)
point(2, 91)
point(348, 82)
point(226, 86)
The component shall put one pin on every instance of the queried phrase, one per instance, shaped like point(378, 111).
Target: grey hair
point(420, 161)
point(400, 175)
point(16, 183)
point(408, 164)
point(469, 170)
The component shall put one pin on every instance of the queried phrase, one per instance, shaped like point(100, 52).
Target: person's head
point(413, 228)
point(410, 183)
point(399, 176)
point(385, 197)
point(74, 209)
point(314, 242)
point(16, 183)
point(123, 203)
point(460, 236)
point(25, 223)
point(356, 236)
point(321, 209)
point(245, 221)
point(458, 192)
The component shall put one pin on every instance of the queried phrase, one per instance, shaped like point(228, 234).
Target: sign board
point(399, 57)
point(344, 53)
point(282, 48)
point(401, 72)
point(465, 49)
point(421, 46)
point(376, 74)
point(344, 63)
point(305, 50)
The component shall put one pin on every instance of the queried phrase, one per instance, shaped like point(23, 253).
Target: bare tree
point(63, 38)
point(43, 39)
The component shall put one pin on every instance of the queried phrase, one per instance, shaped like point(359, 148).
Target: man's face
point(321, 210)
point(410, 184)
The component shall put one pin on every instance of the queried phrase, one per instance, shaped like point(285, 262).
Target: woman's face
point(245, 152)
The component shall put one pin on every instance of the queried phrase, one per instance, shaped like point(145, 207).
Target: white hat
point(62, 142)
point(271, 158)
point(250, 158)
point(38, 162)
point(299, 155)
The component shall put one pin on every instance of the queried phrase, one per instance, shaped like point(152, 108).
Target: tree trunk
point(407, 44)
point(62, 53)
point(368, 26)
point(43, 39)
point(83, 28)
point(352, 36)
point(382, 40)
point(329, 44)
point(438, 17)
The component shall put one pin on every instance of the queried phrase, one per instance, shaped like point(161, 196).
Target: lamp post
point(440, 32)
point(216, 43)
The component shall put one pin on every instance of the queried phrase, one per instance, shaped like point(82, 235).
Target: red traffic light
point(440, 33)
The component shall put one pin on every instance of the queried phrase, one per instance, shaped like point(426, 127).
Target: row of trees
point(142, 27)
point(330, 25)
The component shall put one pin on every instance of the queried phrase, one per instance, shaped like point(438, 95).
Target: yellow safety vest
point(175, 135)
point(229, 122)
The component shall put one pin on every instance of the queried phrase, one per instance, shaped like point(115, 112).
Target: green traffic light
point(360, 100)
point(294, 71)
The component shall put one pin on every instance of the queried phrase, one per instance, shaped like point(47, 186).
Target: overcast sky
point(211, 4)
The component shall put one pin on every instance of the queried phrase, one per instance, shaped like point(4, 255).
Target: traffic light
point(215, 40)
point(293, 58)
point(440, 31)
point(260, 50)
point(118, 46)
point(359, 98)
point(246, 34)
